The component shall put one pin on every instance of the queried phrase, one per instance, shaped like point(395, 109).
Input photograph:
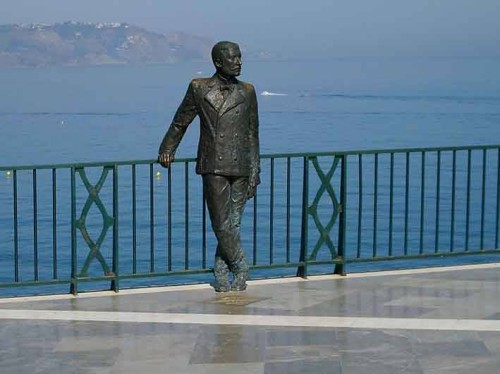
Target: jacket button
point(236, 135)
point(221, 135)
point(220, 158)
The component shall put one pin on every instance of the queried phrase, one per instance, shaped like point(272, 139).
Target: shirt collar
point(224, 81)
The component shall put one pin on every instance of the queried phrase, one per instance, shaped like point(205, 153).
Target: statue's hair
point(220, 48)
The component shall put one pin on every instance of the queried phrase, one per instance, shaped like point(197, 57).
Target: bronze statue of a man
point(228, 155)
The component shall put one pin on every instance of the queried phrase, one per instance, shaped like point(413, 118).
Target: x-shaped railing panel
point(80, 223)
point(326, 186)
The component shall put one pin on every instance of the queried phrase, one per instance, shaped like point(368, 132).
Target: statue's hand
point(253, 182)
point(165, 159)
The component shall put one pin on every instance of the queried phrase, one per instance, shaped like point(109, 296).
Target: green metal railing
point(437, 226)
point(130, 222)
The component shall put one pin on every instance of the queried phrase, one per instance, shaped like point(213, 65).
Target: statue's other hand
point(252, 187)
point(165, 159)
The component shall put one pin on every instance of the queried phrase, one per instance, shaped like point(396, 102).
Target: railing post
point(302, 269)
point(115, 283)
point(151, 220)
point(340, 268)
point(74, 257)
point(16, 229)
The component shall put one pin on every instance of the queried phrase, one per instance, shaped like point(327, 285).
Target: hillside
point(83, 44)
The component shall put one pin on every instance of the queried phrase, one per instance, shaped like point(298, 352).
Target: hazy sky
point(339, 28)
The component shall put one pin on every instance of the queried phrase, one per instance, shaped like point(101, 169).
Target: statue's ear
point(218, 63)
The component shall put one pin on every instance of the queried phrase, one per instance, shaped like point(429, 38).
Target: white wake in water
point(267, 93)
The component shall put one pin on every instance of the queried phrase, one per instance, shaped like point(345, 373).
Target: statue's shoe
point(239, 282)
point(240, 270)
point(239, 287)
point(221, 287)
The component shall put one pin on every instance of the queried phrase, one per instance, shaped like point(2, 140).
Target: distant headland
point(86, 44)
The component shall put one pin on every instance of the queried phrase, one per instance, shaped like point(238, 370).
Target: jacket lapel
point(213, 95)
point(235, 98)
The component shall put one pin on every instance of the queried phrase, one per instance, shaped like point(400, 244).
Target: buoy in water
point(8, 173)
point(158, 174)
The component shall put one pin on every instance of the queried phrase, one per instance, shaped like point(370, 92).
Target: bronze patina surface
point(228, 155)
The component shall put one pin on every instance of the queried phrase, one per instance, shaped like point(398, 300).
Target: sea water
point(59, 115)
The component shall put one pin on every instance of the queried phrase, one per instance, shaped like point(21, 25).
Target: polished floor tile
point(229, 344)
point(437, 322)
point(304, 366)
point(302, 337)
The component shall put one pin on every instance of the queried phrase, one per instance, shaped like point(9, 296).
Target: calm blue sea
point(115, 113)
point(50, 115)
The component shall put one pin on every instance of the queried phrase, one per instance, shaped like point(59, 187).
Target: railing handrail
point(263, 156)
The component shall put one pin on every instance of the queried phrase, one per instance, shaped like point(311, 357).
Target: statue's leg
point(216, 189)
point(226, 197)
point(238, 263)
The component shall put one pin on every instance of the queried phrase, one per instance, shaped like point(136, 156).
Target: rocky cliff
point(81, 44)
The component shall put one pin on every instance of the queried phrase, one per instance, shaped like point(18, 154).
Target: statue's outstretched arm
point(183, 117)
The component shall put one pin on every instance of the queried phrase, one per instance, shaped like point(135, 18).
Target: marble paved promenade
point(440, 320)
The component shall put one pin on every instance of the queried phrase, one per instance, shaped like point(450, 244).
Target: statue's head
point(226, 57)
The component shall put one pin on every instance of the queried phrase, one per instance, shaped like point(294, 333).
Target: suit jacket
point(229, 137)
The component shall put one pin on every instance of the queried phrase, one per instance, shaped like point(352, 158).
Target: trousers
point(226, 197)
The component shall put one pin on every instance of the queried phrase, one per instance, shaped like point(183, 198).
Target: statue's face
point(229, 63)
